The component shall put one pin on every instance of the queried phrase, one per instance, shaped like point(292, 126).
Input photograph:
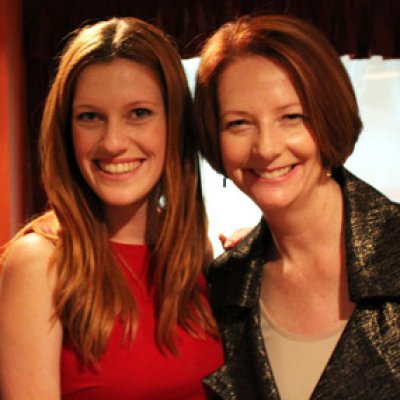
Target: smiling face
point(267, 149)
point(119, 131)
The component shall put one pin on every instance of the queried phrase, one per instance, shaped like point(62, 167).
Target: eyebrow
point(244, 113)
point(284, 107)
point(94, 103)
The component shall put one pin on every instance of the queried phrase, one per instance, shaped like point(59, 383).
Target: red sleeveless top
point(139, 371)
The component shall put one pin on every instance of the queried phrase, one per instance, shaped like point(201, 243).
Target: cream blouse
point(297, 362)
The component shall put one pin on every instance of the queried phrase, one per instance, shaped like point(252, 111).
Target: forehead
point(119, 75)
point(254, 78)
point(247, 63)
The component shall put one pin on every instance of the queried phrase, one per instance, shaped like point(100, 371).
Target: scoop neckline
point(297, 337)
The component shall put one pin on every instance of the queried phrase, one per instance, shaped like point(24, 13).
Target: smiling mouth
point(119, 168)
point(276, 173)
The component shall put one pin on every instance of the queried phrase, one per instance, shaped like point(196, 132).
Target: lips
point(276, 173)
point(119, 168)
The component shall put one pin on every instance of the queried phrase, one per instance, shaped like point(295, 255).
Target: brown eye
point(86, 116)
point(235, 123)
point(141, 112)
point(294, 117)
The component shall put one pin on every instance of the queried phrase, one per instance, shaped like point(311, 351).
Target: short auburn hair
point(313, 65)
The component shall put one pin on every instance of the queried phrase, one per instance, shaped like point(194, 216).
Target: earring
point(328, 173)
point(224, 182)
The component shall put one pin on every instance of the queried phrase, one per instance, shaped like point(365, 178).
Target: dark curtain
point(360, 28)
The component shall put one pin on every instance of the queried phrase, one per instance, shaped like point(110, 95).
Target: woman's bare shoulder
point(33, 339)
point(27, 254)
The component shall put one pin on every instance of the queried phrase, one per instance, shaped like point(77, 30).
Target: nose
point(268, 142)
point(115, 137)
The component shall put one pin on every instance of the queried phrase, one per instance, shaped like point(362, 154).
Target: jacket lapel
point(365, 362)
point(234, 297)
point(221, 383)
point(372, 240)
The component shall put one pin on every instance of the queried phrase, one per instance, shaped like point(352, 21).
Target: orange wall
point(11, 119)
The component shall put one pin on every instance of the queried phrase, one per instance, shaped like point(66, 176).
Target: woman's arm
point(30, 341)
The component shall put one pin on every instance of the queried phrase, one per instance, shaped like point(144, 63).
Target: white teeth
point(120, 168)
point(273, 174)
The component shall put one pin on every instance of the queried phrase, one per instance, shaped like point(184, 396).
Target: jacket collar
point(372, 231)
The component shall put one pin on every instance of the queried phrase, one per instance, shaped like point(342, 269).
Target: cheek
point(159, 147)
point(82, 146)
point(86, 141)
point(303, 144)
point(233, 152)
point(79, 142)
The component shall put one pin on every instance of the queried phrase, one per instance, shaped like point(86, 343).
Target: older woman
point(308, 303)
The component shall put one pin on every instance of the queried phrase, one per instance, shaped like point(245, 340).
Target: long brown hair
point(90, 290)
point(311, 62)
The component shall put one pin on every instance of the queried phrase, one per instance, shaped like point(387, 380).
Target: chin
point(271, 207)
point(273, 200)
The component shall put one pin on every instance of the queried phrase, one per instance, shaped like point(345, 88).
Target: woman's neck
point(127, 224)
point(306, 230)
point(305, 282)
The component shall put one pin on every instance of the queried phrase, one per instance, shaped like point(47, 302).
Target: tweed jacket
point(365, 363)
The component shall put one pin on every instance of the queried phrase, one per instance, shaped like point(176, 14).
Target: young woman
point(114, 306)
point(309, 303)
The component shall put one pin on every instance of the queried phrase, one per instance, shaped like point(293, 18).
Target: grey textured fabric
point(366, 361)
